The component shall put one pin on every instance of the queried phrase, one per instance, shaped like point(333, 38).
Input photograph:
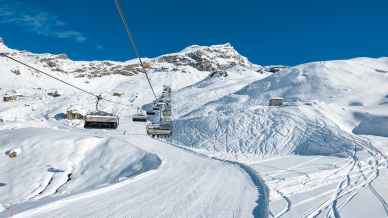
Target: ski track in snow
point(357, 175)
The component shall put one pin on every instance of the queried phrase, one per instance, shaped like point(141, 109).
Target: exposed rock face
point(207, 58)
point(218, 74)
point(202, 58)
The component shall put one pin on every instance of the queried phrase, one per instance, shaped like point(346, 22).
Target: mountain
point(230, 151)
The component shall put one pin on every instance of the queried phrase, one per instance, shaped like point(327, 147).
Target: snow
point(371, 124)
point(203, 191)
point(80, 159)
point(63, 164)
point(322, 154)
point(331, 114)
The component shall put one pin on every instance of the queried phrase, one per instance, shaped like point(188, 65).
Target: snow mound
point(264, 131)
point(57, 162)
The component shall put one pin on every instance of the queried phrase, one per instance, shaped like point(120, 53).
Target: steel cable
point(62, 81)
point(132, 41)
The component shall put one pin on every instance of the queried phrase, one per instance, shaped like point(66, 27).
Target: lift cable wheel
point(133, 44)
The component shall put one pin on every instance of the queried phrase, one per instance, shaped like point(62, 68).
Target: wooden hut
point(73, 114)
point(118, 94)
point(54, 94)
point(9, 98)
point(276, 101)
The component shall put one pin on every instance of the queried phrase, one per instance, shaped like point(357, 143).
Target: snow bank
point(63, 162)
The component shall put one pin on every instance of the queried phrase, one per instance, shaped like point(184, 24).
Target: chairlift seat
point(139, 117)
point(150, 112)
point(101, 119)
point(159, 129)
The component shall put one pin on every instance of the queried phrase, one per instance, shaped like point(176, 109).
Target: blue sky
point(267, 32)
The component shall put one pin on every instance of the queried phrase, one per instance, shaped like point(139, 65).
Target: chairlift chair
point(100, 119)
point(139, 117)
point(150, 112)
point(163, 129)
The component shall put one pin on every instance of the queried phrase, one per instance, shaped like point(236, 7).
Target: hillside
point(327, 105)
point(320, 154)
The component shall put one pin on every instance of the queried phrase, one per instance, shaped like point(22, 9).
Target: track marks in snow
point(262, 203)
point(351, 184)
point(351, 177)
point(286, 208)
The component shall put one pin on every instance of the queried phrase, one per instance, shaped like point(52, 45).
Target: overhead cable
point(132, 41)
point(99, 97)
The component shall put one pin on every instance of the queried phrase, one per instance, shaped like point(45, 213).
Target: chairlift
point(139, 117)
point(166, 113)
point(162, 104)
point(163, 129)
point(150, 112)
point(100, 119)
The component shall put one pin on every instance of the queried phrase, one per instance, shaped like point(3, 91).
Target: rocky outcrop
point(215, 58)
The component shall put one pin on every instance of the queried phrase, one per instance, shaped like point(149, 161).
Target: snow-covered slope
point(56, 161)
point(334, 117)
point(61, 164)
point(324, 102)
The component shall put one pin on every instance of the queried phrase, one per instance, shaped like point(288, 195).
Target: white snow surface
point(325, 103)
point(321, 154)
point(121, 172)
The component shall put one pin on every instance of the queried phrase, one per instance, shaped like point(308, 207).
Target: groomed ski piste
point(321, 154)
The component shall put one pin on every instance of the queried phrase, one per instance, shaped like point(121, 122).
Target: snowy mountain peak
point(208, 58)
point(225, 46)
point(2, 45)
point(193, 58)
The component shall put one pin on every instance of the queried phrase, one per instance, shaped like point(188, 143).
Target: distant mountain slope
point(322, 100)
point(216, 89)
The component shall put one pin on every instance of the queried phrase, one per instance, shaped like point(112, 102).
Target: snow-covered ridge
point(201, 58)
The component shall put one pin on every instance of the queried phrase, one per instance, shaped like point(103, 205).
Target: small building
point(276, 68)
point(74, 114)
point(118, 94)
point(13, 153)
point(9, 98)
point(53, 94)
point(276, 101)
